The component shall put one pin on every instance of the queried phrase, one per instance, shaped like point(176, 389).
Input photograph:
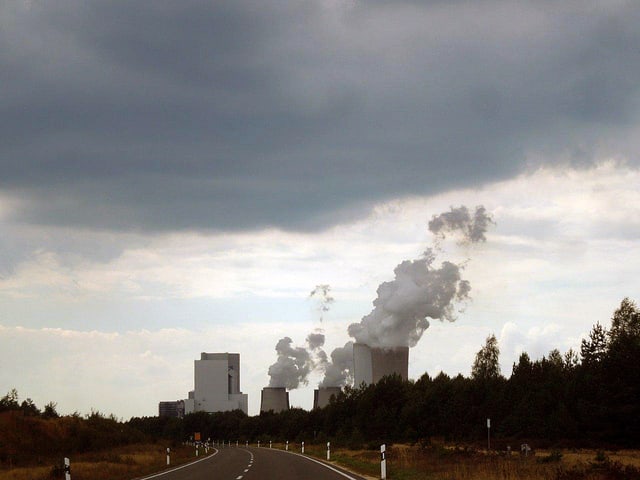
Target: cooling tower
point(371, 364)
point(274, 398)
point(322, 396)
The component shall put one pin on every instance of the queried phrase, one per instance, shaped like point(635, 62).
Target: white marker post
point(197, 450)
point(328, 450)
point(246, 443)
point(269, 443)
point(302, 447)
point(67, 469)
point(168, 457)
point(488, 434)
point(258, 443)
point(383, 462)
point(286, 446)
point(236, 443)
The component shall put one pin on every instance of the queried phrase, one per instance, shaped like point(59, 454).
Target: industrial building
point(322, 396)
point(216, 384)
point(274, 399)
point(171, 409)
point(370, 364)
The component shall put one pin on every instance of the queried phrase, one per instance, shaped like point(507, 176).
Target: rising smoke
point(322, 293)
point(421, 290)
point(339, 371)
point(418, 291)
point(294, 364)
point(459, 221)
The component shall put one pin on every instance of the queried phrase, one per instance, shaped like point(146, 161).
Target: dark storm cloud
point(240, 115)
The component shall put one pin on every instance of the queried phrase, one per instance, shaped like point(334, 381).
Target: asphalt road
point(251, 463)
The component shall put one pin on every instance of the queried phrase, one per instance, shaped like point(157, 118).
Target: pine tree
point(595, 348)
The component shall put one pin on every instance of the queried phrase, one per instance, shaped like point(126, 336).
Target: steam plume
point(339, 371)
point(459, 220)
point(324, 296)
point(420, 289)
point(292, 366)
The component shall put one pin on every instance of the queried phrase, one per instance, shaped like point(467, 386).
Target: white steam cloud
point(294, 364)
point(339, 371)
point(421, 290)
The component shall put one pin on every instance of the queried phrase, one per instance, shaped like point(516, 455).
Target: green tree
point(594, 349)
point(29, 408)
point(625, 321)
point(486, 365)
point(50, 410)
point(10, 401)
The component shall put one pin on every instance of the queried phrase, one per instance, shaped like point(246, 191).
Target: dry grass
point(119, 463)
point(456, 463)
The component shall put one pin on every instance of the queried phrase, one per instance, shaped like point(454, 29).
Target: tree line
point(585, 398)
point(589, 397)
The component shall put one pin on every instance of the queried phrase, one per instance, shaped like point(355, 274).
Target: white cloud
point(561, 257)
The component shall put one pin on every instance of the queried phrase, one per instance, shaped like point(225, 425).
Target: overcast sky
point(176, 177)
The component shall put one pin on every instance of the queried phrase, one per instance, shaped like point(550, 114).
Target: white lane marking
point(181, 466)
point(239, 477)
point(319, 463)
point(246, 470)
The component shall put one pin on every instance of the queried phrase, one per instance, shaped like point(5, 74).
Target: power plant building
point(370, 364)
point(322, 396)
point(216, 384)
point(171, 409)
point(274, 399)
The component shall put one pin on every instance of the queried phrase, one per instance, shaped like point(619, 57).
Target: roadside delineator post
point(383, 462)
point(246, 443)
point(269, 443)
point(168, 457)
point(197, 450)
point(328, 450)
point(258, 443)
point(286, 446)
point(302, 447)
point(67, 469)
